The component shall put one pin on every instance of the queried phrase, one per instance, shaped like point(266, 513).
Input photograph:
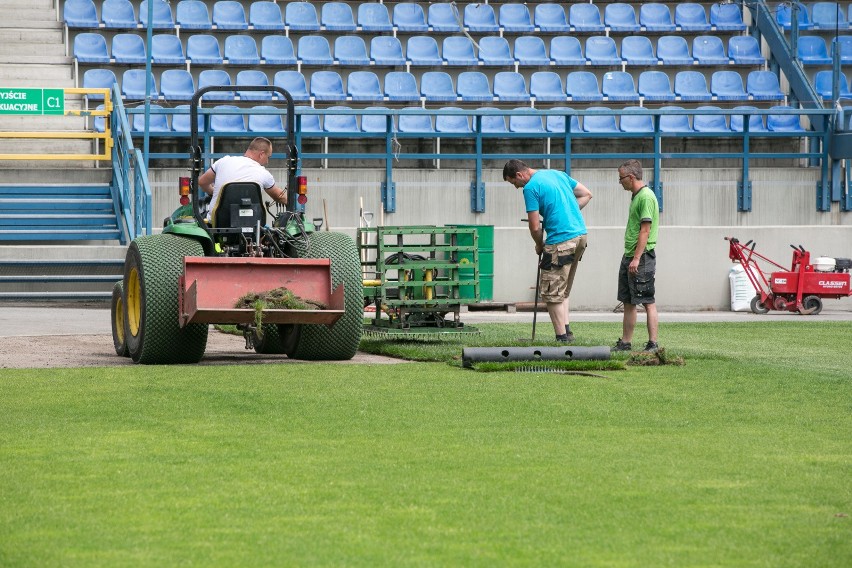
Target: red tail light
point(183, 190)
point(302, 189)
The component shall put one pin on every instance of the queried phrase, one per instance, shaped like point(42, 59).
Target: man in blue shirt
point(553, 201)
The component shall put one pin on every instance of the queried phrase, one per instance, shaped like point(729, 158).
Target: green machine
point(419, 277)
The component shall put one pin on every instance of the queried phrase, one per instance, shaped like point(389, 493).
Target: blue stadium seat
point(118, 14)
point(691, 86)
point(844, 43)
point(551, 18)
point(530, 50)
point(599, 123)
point(309, 123)
point(314, 50)
point(674, 122)
point(441, 17)
point(227, 122)
point(241, 50)
point(177, 85)
point(727, 86)
point(156, 122)
point(437, 86)
point(215, 77)
point(744, 50)
point(547, 86)
point(637, 50)
point(709, 122)
point(180, 121)
point(480, 18)
point(764, 86)
point(510, 86)
point(515, 18)
point(600, 50)
point(98, 79)
point(166, 49)
point(620, 17)
point(415, 123)
point(373, 17)
point(823, 84)
point(90, 47)
point(619, 86)
point(709, 50)
point(452, 123)
point(473, 86)
point(265, 16)
point(525, 123)
point(458, 50)
point(341, 123)
point(755, 121)
point(557, 123)
point(783, 122)
point(351, 50)
point(265, 122)
point(409, 17)
point(133, 85)
point(363, 86)
point(401, 86)
point(655, 86)
point(301, 16)
point(672, 50)
point(192, 15)
point(828, 16)
point(423, 50)
point(583, 86)
point(585, 18)
point(494, 50)
point(277, 50)
point(337, 16)
point(229, 15)
point(656, 17)
point(636, 122)
point(374, 122)
point(80, 14)
point(386, 50)
point(294, 83)
point(327, 86)
point(99, 124)
point(812, 51)
point(565, 50)
point(784, 16)
point(203, 49)
point(726, 17)
point(162, 19)
point(253, 77)
point(691, 17)
point(128, 48)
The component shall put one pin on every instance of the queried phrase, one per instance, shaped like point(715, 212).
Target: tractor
point(196, 271)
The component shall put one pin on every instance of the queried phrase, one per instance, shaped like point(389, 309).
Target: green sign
point(32, 101)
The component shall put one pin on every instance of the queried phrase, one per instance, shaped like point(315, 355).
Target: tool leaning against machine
point(800, 289)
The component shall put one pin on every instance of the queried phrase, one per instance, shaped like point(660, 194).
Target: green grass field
point(741, 457)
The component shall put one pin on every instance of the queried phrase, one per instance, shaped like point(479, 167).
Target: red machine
point(800, 289)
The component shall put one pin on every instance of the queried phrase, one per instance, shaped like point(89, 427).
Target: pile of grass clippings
point(276, 299)
point(660, 357)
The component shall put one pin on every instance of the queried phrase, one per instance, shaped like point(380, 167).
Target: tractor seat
point(240, 206)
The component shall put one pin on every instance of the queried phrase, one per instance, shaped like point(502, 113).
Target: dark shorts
point(639, 288)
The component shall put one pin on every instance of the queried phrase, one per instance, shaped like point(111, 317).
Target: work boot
point(563, 338)
point(651, 347)
point(569, 335)
point(621, 346)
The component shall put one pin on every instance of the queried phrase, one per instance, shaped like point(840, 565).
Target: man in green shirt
point(638, 266)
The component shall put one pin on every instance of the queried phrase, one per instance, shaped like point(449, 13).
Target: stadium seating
point(373, 17)
point(744, 50)
point(480, 18)
point(80, 14)
point(386, 50)
point(180, 121)
point(546, 86)
point(363, 86)
point(551, 18)
point(691, 17)
point(309, 123)
point(583, 86)
point(192, 15)
point(784, 16)
point(764, 86)
point(601, 50)
point(227, 122)
point(314, 50)
point(812, 51)
point(162, 18)
point(90, 47)
point(409, 17)
point(458, 50)
point(437, 86)
point(340, 123)
point(177, 85)
point(118, 14)
point(557, 123)
point(166, 49)
point(229, 15)
point(241, 50)
point(727, 17)
point(423, 50)
point(415, 122)
point(351, 50)
point(327, 86)
point(457, 124)
point(515, 18)
point(337, 16)
point(301, 16)
point(203, 49)
point(374, 122)
point(673, 50)
point(530, 50)
point(636, 122)
point(621, 18)
point(637, 50)
point(473, 86)
point(783, 122)
point(823, 84)
point(585, 18)
point(844, 43)
point(565, 50)
point(265, 16)
point(128, 49)
point(727, 86)
point(619, 86)
point(265, 122)
point(212, 78)
point(99, 122)
point(255, 78)
point(709, 50)
point(674, 122)
point(401, 86)
point(828, 16)
point(133, 85)
point(510, 86)
point(709, 122)
point(525, 123)
point(98, 79)
point(156, 122)
point(691, 86)
point(442, 17)
point(656, 17)
point(655, 86)
point(277, 50)
point(755, 121)
point(494, 50)
point(294, 83)
point(599, 123)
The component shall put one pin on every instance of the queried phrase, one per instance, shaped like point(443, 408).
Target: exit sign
point(32, 101)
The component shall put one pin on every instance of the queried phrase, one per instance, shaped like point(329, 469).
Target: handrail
point(132, 200)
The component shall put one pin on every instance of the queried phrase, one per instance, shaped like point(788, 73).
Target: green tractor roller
point(196, 271)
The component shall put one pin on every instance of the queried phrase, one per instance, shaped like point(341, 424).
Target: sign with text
point(32, 101)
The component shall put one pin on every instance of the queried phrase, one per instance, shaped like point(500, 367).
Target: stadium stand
point(163, 18)
point(515, 18)
point(327, 86)
point(655, 86)
point(229, 15)
point(673, 50)
point(744, 50)
point(691, 17)
point(98, 79)
point(656, 17)
point(253, 77)
point(193, 15)
point(755, 121)
point(585, 18)
point(277, 50)
point(436, 86)
point(133, 85)
point(473, 86)
point(620, 17)
point(177, 85)
point(80, 14)
point(118, 14)
point(215, 78)
point(546, 86)
point(494, 50)
point(423, 51)
point(510, 86)
point(294, 83)
point(709, 50)
point(525, 123)
point(386, 50)
point(266, 16)
point(363, 86)
point(156, 122)
point(301, 16)
point(373, 17)
point(314, 50)
point(90, 47)
point(351, 50)
point(823, 84)
point(166, 49)
point(844, 44)
point(784, 16)
point(726, 17)
point(764, 86)
point(203, 49)
point(480, 18)
point(265, 122)
point(583, 86)
point(636, 122)
point(557, 123)
point(550, 18)
point(128, 48)
point(601, 50)
point(374, 122)
point(180, 121)
point(565, 50)
point(340, 123)
point(812, 51)
point(709, 122)
point(691, 86)
point(409, 17)
point(828, 16)
point(672, 123)
point(530, 51)
point(337, 16)
point(599, 123)
point(783, 122)
point(727, 86)
point(415, 123)
point(455, 124)
point(227, 122)
point(619, 86)
point(309, 123)
point(637, 50)
point(241, 50)
point(401, 86)
point(442, 17)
